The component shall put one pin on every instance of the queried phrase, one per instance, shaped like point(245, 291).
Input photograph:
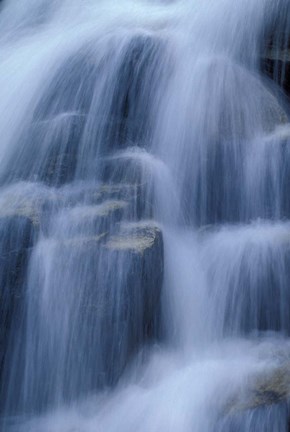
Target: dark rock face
point(275, 58)
point(269, 195)
point(143, 243)
point(82, 228)
point(66, 123)
point(216, 173)
point(227, 189)
point(104, 282)
point(276, 65)
point(112, 289)
point(131, 99)
point(140, 248)
point(16, 237)
point(241, 295)
point(251, 309)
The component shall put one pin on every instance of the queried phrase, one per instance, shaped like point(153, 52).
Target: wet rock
point(133, 193)
point(51, 150)
point(27, 209)
point(90, 220)
point(276, 65)
point(110, 286)
point(277, 185)
point(104, 280)
point(269, 388)
point(135, 237)
point(262, 419)
point(268, 193)
point(134, 169)
point(250, 298)
point(69, 122)
point(16, 234)
point(135, 76)
point(123, 191)
point(214, 190)
point(262, 406)
point(60, 169)
point(275, 58)
point(135, 254)
point(20, 218)
point(140, 246)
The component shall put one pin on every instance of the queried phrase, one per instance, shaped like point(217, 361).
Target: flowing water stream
point(144, 214)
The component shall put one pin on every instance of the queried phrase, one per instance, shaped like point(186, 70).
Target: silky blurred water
point(126, 116)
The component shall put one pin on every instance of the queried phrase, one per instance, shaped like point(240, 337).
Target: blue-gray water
point(144, 213)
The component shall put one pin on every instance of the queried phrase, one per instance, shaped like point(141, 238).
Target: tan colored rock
point(269, 388)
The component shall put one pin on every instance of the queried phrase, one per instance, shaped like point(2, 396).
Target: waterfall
point(144, 215)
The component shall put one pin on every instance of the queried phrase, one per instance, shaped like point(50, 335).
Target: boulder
point(269, 388)
point(104, 279)
point(135, 253)
point(262, 406)
point(103, 306)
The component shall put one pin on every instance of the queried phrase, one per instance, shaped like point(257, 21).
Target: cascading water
point(144, 215)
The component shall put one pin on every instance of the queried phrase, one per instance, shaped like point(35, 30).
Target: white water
point(167, 95)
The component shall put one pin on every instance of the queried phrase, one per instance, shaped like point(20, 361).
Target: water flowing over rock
point(91, 339)
point(263, 404)
point(276, 52)
point(144, 215)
